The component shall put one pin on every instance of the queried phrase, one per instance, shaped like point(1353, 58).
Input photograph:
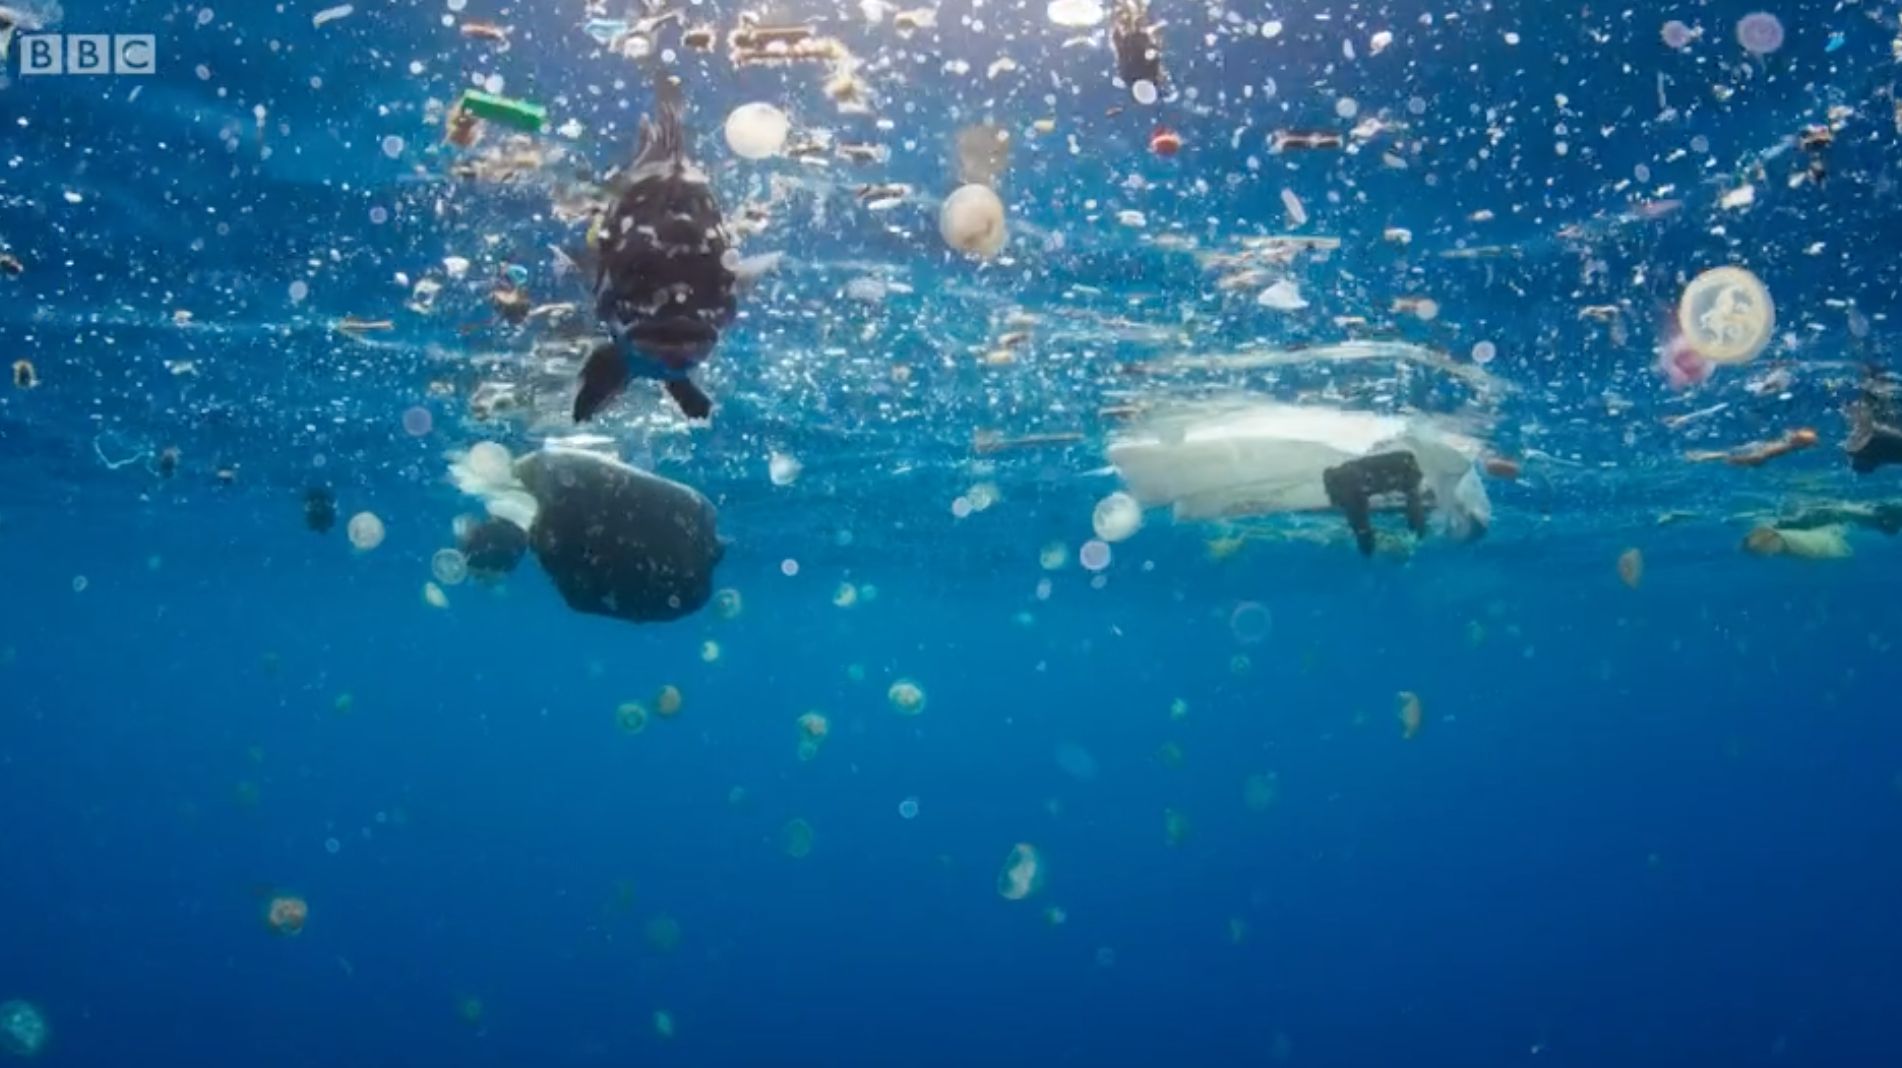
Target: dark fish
point(664, 271)
point(618, 541)
point(1138, 43)
point(320, 509)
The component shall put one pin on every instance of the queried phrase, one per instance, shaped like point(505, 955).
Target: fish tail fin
point(664, 136)
point(693, 402)
point(603, 377)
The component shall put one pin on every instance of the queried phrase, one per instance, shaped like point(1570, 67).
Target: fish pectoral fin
point(693, 402)
point(753, 268)
point(603, 377)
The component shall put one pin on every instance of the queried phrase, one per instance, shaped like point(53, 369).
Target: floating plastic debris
point(331, 14)
point(1075, 14)
point(1284, 295)
point(516, 114)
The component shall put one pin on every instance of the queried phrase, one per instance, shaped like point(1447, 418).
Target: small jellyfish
point(1251, 623)
point(366, 531)
point(1727, 315)
point(783, 469)
point(24, 375)
point(1053, 556)
point(663, 1023)
point(845, 596)
point(908, 809)
point(1022, 874)
point(1076, 762)
point(470, 1009)
point(1760, 33)
point(1409, 713)
point(668, 702)
point(417, 421)
point(796, 838)
point(757, 130)
point(632, 716)
point(1677, 35)
point(449, 566)
point(167, 463)
point(1094, 556)
point(1165, 142)
point(709, 651)
point(1631, 567)
point(1484, 353)
point(1117, 517)
point(434, 597)
point(972, 221)
point(286, 914)
point(907, 697)
point(24, 1031)
point(814, 726)
point(727, 604)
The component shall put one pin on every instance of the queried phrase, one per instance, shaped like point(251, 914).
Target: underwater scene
point(929, 533)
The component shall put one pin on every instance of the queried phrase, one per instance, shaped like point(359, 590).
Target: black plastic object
point(1352, 486)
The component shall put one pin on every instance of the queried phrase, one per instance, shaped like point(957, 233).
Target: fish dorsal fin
point(663, 137)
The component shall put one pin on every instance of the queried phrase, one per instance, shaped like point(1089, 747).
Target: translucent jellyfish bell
point(757, 130)
point(1022, 874)
point(1727, 315)
point(972, 221)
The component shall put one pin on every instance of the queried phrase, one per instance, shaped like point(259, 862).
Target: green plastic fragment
point(520, 114)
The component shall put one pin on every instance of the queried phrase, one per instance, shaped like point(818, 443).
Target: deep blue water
point(1646, 827)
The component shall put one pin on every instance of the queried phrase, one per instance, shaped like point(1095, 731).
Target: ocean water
point(1640, 819)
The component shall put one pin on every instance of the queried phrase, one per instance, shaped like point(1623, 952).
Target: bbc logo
point(88, 53)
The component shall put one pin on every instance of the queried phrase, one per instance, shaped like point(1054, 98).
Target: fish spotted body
point(665, 275)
